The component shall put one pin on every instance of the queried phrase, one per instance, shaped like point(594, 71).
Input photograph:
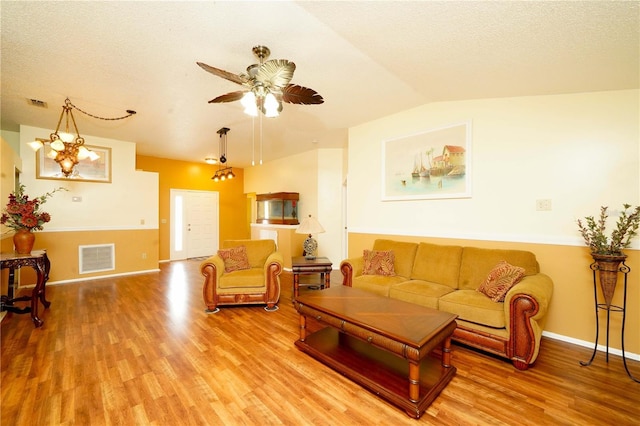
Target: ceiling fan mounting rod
point(261, 52)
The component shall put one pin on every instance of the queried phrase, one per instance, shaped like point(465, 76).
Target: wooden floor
point(141, 350)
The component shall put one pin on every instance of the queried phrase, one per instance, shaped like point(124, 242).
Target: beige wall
point(581, 151)
point(123, 212)
point(317, 176)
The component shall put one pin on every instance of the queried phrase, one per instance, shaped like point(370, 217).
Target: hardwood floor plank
point(141, 350)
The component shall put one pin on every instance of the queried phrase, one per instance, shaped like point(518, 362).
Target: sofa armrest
point(539, 287)
point(525, 307)
point(351, 268)
point(212, 269)
point(272, 269)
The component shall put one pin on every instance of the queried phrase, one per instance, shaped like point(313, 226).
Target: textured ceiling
point(367, 59)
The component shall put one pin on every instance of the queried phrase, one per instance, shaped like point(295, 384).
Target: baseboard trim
point(586, 344)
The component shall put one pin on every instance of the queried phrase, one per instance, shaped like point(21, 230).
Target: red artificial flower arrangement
point(23, 213)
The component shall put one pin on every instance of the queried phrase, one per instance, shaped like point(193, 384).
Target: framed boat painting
point(430, 165)
point(87, 170)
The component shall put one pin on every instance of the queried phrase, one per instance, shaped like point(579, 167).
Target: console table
point(39, 261)
point(300, 265)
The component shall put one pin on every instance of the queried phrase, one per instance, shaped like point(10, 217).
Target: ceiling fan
point(267, 85)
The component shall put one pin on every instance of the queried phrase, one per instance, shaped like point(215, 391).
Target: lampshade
point(310, 225)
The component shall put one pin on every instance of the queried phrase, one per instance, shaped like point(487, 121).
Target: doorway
point(194, 223)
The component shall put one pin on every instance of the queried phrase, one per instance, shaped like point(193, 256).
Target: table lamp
point(310, 226)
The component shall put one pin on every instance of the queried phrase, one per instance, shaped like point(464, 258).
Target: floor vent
point(97, 258)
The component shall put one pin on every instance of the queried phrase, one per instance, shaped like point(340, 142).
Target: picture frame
point(86, 170)
point(434, 164)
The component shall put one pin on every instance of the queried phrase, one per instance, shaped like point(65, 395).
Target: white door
point(194, 223)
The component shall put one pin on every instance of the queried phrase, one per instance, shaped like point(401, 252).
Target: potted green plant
point(607, 250)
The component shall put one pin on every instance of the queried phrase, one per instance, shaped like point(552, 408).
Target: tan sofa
point(257, 284)
point(446, 277)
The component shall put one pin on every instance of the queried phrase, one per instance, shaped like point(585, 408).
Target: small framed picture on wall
point(98, 170)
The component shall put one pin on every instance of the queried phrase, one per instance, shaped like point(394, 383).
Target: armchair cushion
point(235, 258)
point(257, 250)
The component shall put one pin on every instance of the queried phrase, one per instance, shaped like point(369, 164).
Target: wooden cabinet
point(280, 208)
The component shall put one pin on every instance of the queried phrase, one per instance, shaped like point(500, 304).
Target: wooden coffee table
point(398, 350)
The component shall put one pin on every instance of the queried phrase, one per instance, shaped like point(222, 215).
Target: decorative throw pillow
point(378, 262)
point(501, 278)
point(235, 258)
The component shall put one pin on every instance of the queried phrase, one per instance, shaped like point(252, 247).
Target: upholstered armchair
point(242, 272)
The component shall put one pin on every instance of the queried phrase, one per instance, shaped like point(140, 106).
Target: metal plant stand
point(624, 269)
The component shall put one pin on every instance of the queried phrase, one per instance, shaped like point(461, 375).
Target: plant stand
point(624, 269)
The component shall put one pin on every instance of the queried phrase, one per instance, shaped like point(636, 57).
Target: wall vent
point(38, 103)
point(97, 258)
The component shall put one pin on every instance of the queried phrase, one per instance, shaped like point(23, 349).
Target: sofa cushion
point(257, 250)
point(478, 262)
point(419, 292)
point(438, 264)
point(378, 262)
point(501, 278)
point(235, 258)
point(378, 284)
point(475, 307)
point(404, 254)
point(245, 278)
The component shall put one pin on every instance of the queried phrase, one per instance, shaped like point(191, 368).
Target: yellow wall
point(197, 176)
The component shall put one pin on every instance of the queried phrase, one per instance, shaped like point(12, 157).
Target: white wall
point(580, 151)
point(317, 175)
point(129, 200)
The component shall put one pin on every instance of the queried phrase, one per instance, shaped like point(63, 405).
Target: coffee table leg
point(414, 382)
point(303, 328)
point(446, 353)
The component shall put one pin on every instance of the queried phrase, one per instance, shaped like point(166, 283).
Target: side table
point(39, 261)
point(300, 265)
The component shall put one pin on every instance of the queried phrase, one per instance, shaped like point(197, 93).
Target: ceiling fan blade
point(222, 73)
point(228, 97)
point(276, 72)
point(294, 94)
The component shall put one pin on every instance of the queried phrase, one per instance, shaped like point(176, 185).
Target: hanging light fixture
point(223, 173)
point(66, 149)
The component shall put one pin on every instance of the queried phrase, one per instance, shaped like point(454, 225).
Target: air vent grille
point(97, 258)
point(38, 103)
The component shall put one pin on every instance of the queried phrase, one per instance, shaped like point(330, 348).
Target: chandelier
point(223, 173)
point(66, 149)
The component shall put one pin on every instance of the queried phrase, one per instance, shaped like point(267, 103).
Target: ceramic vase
point(23, 241)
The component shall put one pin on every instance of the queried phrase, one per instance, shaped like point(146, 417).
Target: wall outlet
point(144, 255)
point(543, 205)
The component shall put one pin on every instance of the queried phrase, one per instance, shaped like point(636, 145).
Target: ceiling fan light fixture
point(271, 106)
point(248, 101)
